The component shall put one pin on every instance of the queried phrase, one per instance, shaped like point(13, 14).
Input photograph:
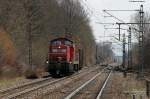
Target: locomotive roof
point(61, 39)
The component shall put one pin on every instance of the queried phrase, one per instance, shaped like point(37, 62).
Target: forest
point(32, 24)
point(36, 21)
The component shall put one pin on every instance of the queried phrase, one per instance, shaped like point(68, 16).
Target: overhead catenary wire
point(119, 20)
point(137, 1)
point(123, 10)
point(91, 11)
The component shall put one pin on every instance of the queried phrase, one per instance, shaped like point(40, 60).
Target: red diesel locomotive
point(64, 56)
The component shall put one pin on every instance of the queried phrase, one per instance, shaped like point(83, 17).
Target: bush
point(9, 71)
point(30, 74)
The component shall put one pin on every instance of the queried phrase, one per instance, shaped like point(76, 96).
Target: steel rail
point(7, 90)
point(23, 85)
point(15, 95)
point(82, 86)
point(104, 85)
point(32, 89)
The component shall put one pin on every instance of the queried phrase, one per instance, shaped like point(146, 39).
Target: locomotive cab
point(60, 58)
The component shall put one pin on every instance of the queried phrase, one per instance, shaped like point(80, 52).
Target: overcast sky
point(96, 7)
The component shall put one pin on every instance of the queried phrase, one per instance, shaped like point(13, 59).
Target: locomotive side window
point(68, 42)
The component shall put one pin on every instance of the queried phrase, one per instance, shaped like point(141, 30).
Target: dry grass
point(6, 81)
point(9, 72)
point(10, 82)
point(119, 86)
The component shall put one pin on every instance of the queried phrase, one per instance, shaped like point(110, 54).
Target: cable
point(91, 11)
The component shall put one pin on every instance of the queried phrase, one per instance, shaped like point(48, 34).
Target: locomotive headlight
point(47, 62)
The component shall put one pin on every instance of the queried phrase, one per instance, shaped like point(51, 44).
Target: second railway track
point(77, 89)
point(93, 88)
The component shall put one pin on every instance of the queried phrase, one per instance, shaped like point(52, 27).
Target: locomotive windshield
point(61, 41)
point(56, 43)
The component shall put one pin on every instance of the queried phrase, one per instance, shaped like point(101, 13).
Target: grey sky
point(96, 7)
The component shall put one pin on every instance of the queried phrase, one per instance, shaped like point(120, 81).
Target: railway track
point(67, 88)
point(6, 92)
point(90, 89)
point(103, 87)
point(28, 88)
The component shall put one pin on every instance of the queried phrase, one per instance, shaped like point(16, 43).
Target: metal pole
point(96, 53)
point(129, 50)
point(119, 31)
point(124, 52)
point(141, 45)
point(28, 9)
